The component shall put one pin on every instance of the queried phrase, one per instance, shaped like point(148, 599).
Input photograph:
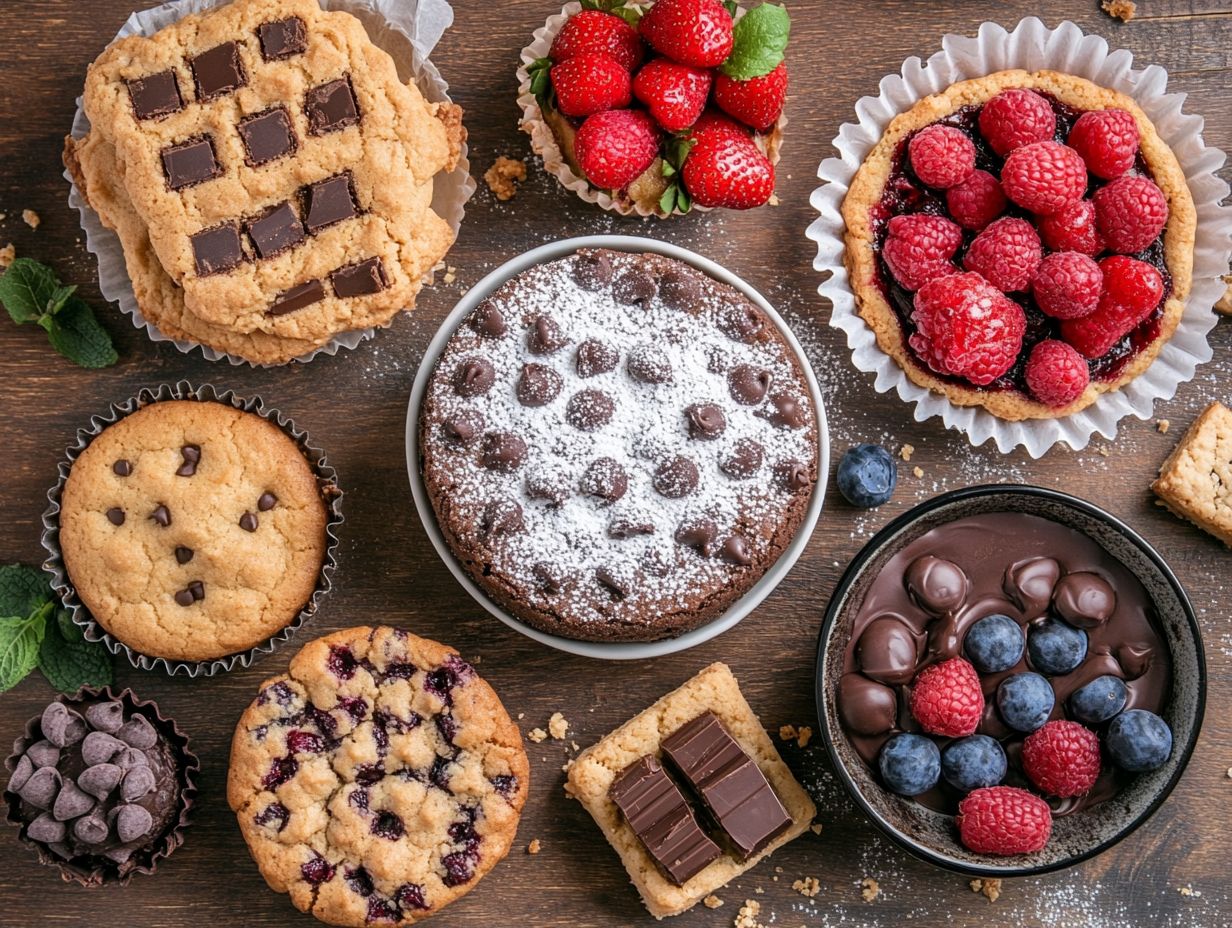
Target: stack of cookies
point(269, 176)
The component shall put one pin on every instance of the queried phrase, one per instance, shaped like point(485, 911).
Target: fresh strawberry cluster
point(682, 84)
point(1032, 234)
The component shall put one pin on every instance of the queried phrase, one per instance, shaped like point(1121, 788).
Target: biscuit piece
point(594, 770)
point(377, 781)
point(274, 156)
point(1196, 480)
point(192, 530)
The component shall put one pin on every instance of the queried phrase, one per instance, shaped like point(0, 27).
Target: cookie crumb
point(8, 254)
point(534, 847)
point(1162, 426)
point(537, 735)
point(815, 828)
point(1189, 891)
point(990, 888)
point(809, 886)
point(3, 216)
point(774, 199)
point(30, 218)
point(521, 715)
point(870, 889)
point(451, 274)
point(558, 727)
point(1103, 451)
point(918, 471)
point(712, 901)
point(1230, 773)
point(906, 451)
point(1123, 10)
point(504, 176)
point(747, 916)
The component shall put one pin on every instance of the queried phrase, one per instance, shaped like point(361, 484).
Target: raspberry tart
point(1022, 242)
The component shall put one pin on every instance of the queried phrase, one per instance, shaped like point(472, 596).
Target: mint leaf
point(23, 589)
point(759, 43)
point(20, 639)
point(26, 289)
point(731, 6)
point(76, 334)
point(68, 661)
point(59, 298)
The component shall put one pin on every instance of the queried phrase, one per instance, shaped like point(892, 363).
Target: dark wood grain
point(1172, 872)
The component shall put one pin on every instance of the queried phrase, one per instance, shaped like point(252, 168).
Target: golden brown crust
point(866, 191)
point(1195, 482)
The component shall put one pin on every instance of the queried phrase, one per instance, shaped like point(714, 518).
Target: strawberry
point(712, 122)
point(723, 170)
point(591, 82)
point(674, 93)
point(615, 147)
point(597, 31)
point(757, 102)
point(693, 32)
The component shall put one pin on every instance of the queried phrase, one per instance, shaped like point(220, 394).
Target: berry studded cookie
point(192, 530)
point(379, 780)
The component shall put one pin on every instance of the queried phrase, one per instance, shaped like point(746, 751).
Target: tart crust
point(866, 191)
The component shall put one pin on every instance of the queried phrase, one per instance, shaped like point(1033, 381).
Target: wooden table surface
point(1172, 872)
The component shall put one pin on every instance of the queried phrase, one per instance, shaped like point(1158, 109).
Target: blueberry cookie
point(377, 781)
point(192, 530)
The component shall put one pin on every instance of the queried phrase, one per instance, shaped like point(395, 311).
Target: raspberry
point(1062, 759)
point(591, 82)
point(967, 327)
point(1130, 212)
point(597, 31)
point(614, 147)
point(1107, 141)
point(941, 156)
point(918, 248)
point(1044, 177)
point(977, 201)
point(1067, 285)
point(1003, 820)
point(1132, 282)
point(1014, 118)
point(946, 698)
point(1056, 373)
point(1005, 254)
point(1072, 229)
point(1132, 290)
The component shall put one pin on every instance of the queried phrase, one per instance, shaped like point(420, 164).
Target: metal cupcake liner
point(327, 480)
point(145, 861)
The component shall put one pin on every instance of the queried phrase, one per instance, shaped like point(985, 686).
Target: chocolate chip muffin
point(617, 447)
point(377, 781)
point(192, 530)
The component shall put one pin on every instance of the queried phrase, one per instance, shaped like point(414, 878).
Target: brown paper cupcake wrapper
point(327, 480)
point(145, 861)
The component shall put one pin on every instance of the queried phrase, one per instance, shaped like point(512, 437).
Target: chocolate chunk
point(275, 231)
point(218, 249)
point(698, 534)
point(118, 854)
point(463, 429)
point(592, 271)
point(474, 377)
point(138, 782)
point(742, 322)
point(192, 457)
point(329, 201)
point(623, 528)
point(538, 385)
point(604, 478)
point(748, 384)
point(588, 410)
point(133, 822)
point(705, 421)
point(793, 476)
point(43, 754)
point(100, 779)
point(502, 451)
point(545, 336)
point(47, 829)
point(1030, 583)
point(617, 586)
point(735, 550)
point(99, 747)
point(106, 716)
point(183, 555)
point(657, 812)
point(190, 163)
point(137, 732)
point(61, 725)
point(267, 136)
point(785, 411)
point(649, 364)
point(732, 786)
point(676, 477)
point(121, 468)
point(266, 501)
point(155, 96)
point(331, 107)
point(502, 517)
point(548, 486)
point(42, 787)
point(867, 707)
point(360, 279)
point(22, 772)
point(594, 358)
point(184, 598)
point(547, 577)
point(161, 515)
point(218, 71)
point(1084, 599)
point(282, 38)
point(937, 585)
point(72, 802)
point(248, 522)
point(115, 515)
point(635, 287)
point(91, 829)
point(197, 588)
point(888, 652)
point(298, 297)
point(745, 459)
point(488, 321)
point(680, 288)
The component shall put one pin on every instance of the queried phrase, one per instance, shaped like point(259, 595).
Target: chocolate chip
point(537, 385)
point(138, 782)
point(623, 528)
point(22, 771)
point(748, 384)
point(785, 411)
point(183, 554)
point(71, 802)
point(184, 598)
point(248, 521)
point(275, 231)
point(298, 297)
point(99, 747)
point(463, 429)
point(362, 279)
point(100, 779)
point(267, 136)
point(61, 725)
point(43, 754)
point(676, 478)
point(502, 517)
point(588, 410)
point(46, 829)
point(550, 487)
point(331, 107)
point(133, 822)
point(155, 96)
point(42, 787)
point(118, 854)
point(706, 421)
point(266, 501)
point(488, 320)
point(91, 829)
point(121, 468)
point(161, 515)
point(197, 588)
point(115, 515)
point(649, 364)
point(742, 322)
point(698, 534)
point(502, 451)
point(190, 163)
point(329, 201)
point(218, 71)
point(744, 460)
point(106, 716)
point(547, 577)
point(606, 479)
point(735, 550)
point(592, 270)
point(130, 758)
point(217, 249)
point(545, 336)
point(192, 457)
point(792, 475)
point(594, 357)
point(282, 38)
point(474, 376)
point(680, 288)
point(618, 587)
point(137, 732)
point(635, 287)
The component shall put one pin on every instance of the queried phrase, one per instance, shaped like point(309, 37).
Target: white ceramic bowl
point(615, 650)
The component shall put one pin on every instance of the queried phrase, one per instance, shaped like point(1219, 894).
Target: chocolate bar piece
point(359, 279)
point(657, 812)
point(331, 107)
point(297, 298)
point(274, 231)
point(267, 136)
point(156, 95)
point(732, 786)
point(217, 249)
point(191, 162)
point(218, 71)
point(328, 201)
point(282, 38)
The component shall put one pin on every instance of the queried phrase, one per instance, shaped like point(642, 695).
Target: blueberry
point(867, 476)
point(994, 643)
point(1025, 701)
point(973, 762)
point(1139, 740)
point(910, 764)
point(1099, 700)
point(1056, 647)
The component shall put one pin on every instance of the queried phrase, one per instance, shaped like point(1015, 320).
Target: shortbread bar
point(1196, 480)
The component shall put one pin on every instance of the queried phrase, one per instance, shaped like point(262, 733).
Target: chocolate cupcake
point(101, 786)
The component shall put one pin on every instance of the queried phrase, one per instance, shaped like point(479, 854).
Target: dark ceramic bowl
point(931, 835)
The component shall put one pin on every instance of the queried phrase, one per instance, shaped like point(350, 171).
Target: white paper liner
point(543, 139)
point(1032, 46)
point(407, 29)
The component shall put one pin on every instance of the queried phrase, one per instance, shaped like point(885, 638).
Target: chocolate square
point(282, 38)
point(296, 298)
point(217, 249)
point(218, 71)
point(359, 279)
point(267, 136)
point(329, 201)
point(156, 95)
point(190, 162)
point(275, 230)
point(331, 107)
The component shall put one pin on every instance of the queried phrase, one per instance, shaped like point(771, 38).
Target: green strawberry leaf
point(23, 589)
point(27, 289)
point(20, 639)
point(630, 14)
point(540, 72)
point(667, 202)
point(68, 661)
point(731, 6)
point(759, 43)
point(76, 334)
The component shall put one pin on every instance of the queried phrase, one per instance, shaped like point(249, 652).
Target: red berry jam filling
point(305, 742)
point(317, 870)
point(342, 663)
point(280, 771)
